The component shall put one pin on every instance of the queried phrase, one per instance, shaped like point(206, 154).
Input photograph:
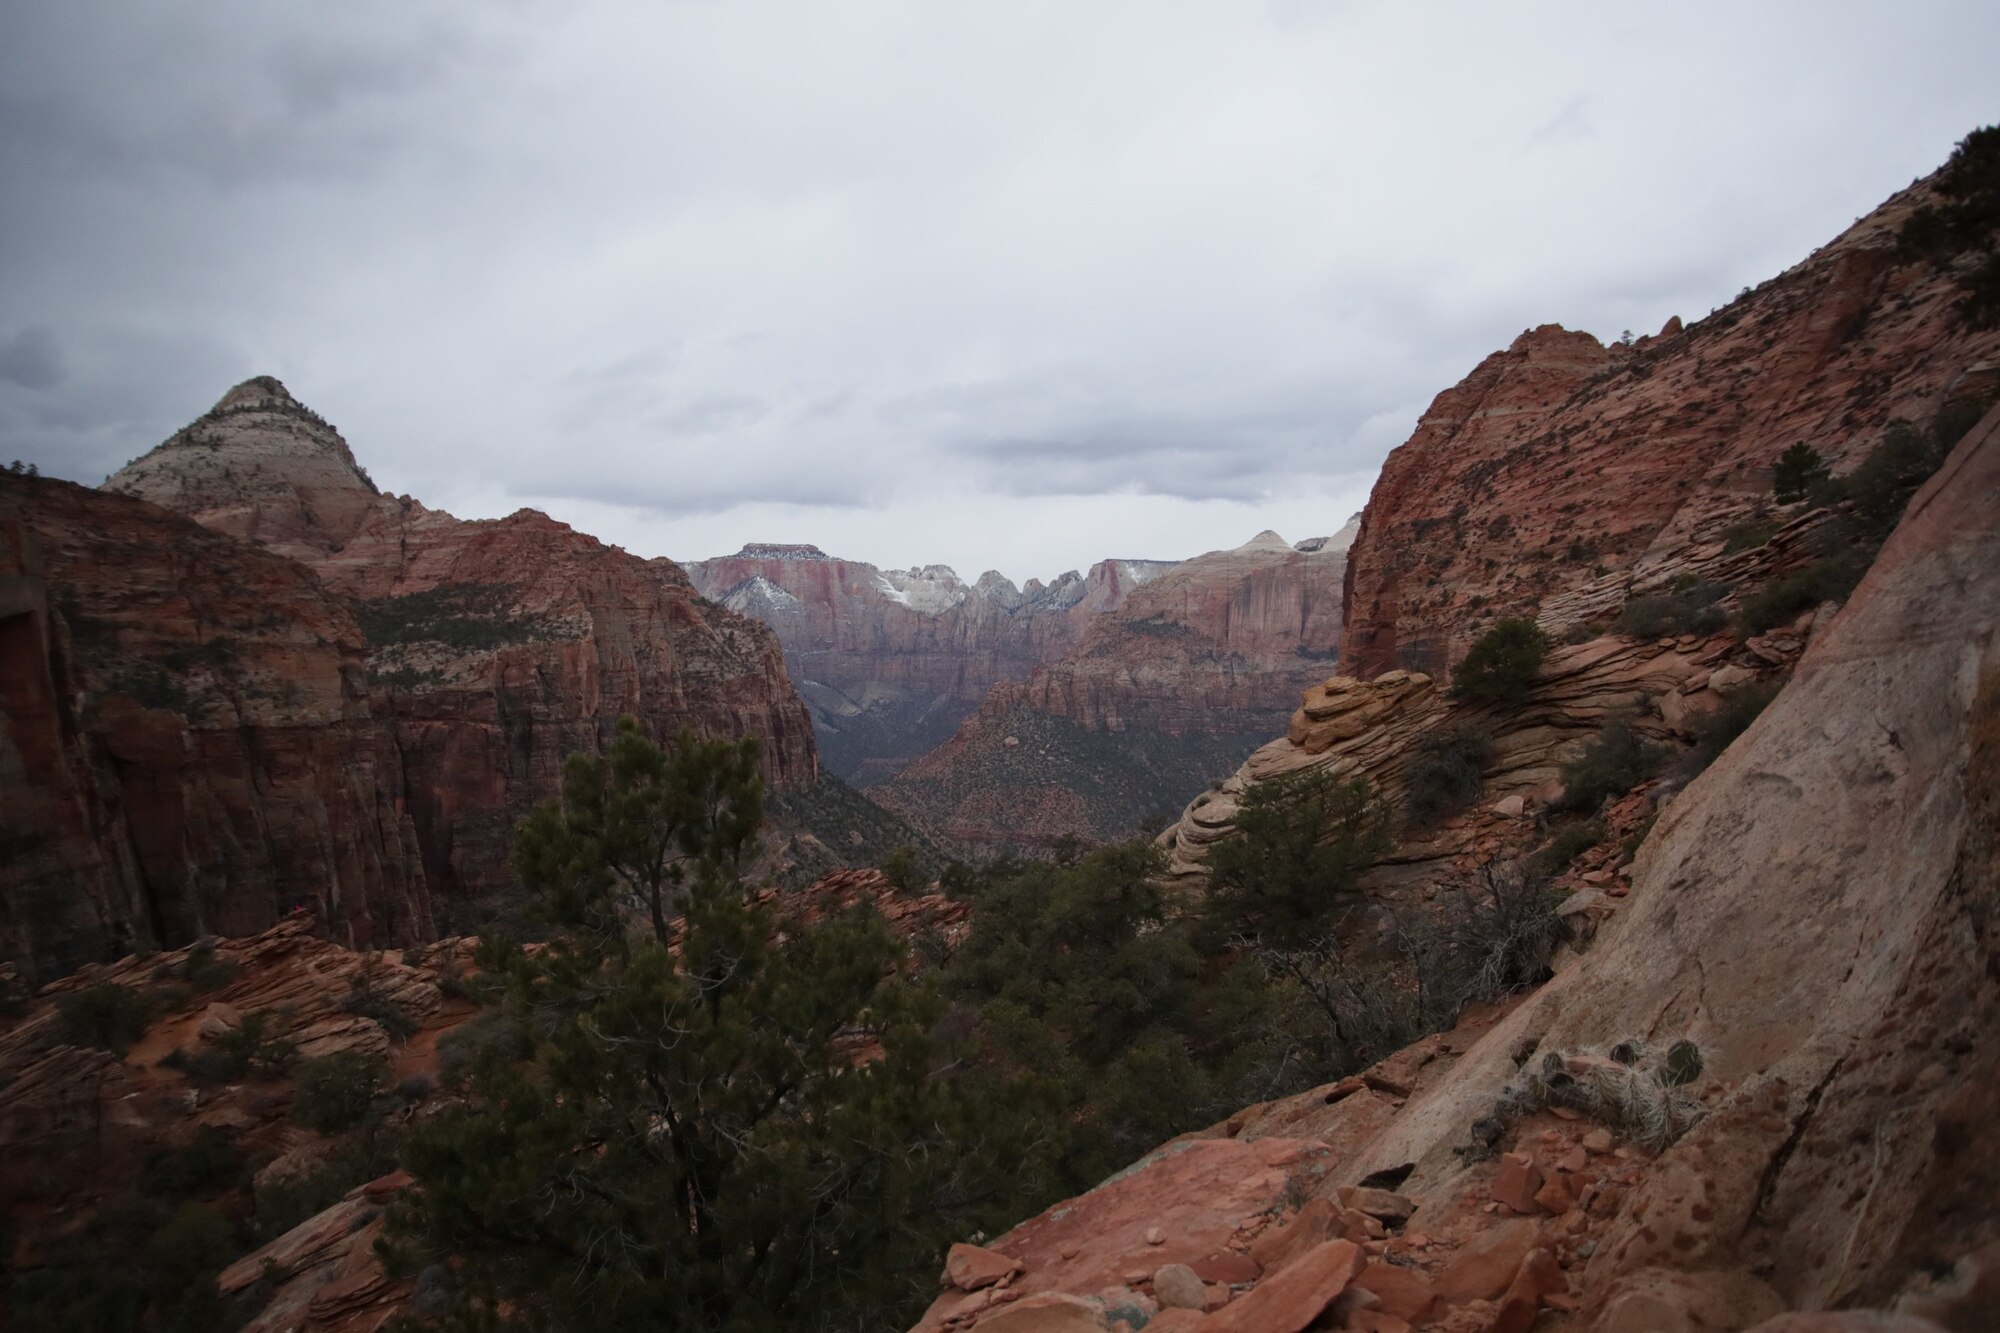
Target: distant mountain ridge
point(1170, 689)
point(890, 660)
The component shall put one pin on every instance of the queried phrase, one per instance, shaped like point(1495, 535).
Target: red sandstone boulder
point(1290, 1299)
point(970, 1267)
point(1484, 1266)
point(1402, 1292)
point(1177, 1286)
point(1517, 1182)
point(1048, 1312)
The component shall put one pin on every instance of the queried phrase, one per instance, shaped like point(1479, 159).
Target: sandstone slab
point(1290, 1299)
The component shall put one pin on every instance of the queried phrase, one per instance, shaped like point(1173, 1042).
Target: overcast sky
point(1010, 284)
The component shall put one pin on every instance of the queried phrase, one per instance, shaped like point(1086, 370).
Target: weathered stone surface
point(312, 1242)
point(1386, 1206)
point(970, 1267)
point(1178, 1321)
point(1226, 1267)
point(1485, 1266)
point(1538, 1278)
point(1517, 1181)
point(1851, 1321)
point(1376, 1321)
point(1313, 1224)
point(1199, 1193)
point(1047, 1312)
point(190, 747)
point(1665, 1301)
point(1293, 1297)
point(1176, 1286)
point(1562, 475)
point(1401, 1292)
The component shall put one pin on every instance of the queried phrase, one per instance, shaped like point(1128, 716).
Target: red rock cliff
point(500, 647)
point(1222, 642)
point(495, 647)
point(189, 746)
point(1560, 471)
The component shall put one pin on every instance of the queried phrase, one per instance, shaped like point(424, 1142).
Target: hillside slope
point(1816, 913)
point(1562, 476)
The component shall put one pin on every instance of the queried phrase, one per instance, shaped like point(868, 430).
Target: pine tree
point(727, 1121)
point(1796, 472)
point(1302, 842)
point(1501, 666)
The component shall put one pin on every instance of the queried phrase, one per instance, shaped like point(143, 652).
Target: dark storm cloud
point(1016, 279)
point(209, 94)
point(32, 359)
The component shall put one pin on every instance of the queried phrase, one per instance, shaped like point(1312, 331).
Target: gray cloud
point(906, 272)
point(32, 359)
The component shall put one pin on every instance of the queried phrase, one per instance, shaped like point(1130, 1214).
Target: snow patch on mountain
point(930, 590)
point(758, 596)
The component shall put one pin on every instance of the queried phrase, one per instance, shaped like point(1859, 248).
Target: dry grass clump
point(1632, 1088)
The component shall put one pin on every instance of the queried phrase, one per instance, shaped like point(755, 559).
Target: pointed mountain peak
point(257, 391)
point(1266, 540)
point(262, 465)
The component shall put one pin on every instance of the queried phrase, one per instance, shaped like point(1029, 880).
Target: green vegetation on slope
point(690, 1112)
point(469, 617)
point(1059, 781)
point(723, 1121)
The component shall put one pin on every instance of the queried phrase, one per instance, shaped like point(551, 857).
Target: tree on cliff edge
point(726, 1122)
point(1501, 666)
point(1302, 842)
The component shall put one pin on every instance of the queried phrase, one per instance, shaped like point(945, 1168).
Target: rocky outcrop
point(86, 1127)
point(1816, 913)
point(1562, 475)
point(90, 1134)
point(1374, 729)
point(891, 660)
point(494, 648)
point(189, 744)
point(262, 466)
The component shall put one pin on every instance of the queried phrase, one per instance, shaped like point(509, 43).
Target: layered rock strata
point(891, 660)
point(1163, 694)
point(189, 746)
point(1562, 475)
point(1374, 729)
